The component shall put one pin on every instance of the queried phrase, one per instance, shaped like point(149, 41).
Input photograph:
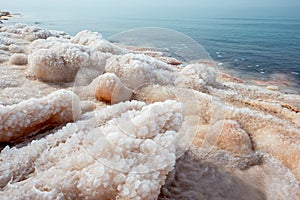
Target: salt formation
point(229, 136)
point(259, 126)
point(137, 70)
point(228, 139)
point(32, 33)
point(58, 60)
point(96, 42)
point(3, 58)
point(18, 59)
point(32, 115)
point(109, 161)
point(58, 64)
point(109, 88)
point(197, 77)
point(13, 48)
point(6, 41)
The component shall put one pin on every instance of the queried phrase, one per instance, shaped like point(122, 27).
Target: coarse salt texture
point(31, 115)
point(59, 64)
point(138, 70)
point(196, 76)
point(32, 33)
point(128, 157)
point(58, 60)
point(95, 41)
point(108, 87)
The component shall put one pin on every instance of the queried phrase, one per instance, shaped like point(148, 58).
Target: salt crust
point(255, 116)
point(20, 119)
point(110, 161)
point(18, 59)
point(96, 42)
point(138, 70)
point(108, 87)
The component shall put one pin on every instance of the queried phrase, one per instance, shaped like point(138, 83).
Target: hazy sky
point(169, 8)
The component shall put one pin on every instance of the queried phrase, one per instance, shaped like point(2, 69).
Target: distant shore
point(4, 15)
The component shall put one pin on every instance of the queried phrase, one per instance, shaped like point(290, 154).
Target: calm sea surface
point(263, 49)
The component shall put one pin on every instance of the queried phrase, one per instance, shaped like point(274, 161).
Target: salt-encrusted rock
point(18, 59)
point(29, 116)
point(256, 124)
point(48, 43)
point(95, 41)
point(4, 47)
point(98, 162)
point(6, 41)
point(197, 77)
point(137, 70)
point(229, 136)
point(13, 48)
point(109, 88)
point(32, 33)
point(59, 64)
point(87, 106)
point(4, 58)
point(65, 164)
point(58, 60)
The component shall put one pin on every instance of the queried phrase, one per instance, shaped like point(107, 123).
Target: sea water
point(255, 48)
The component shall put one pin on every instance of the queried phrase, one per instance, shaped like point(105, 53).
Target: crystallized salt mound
point(6, 41)
point(109, 88)
point(137, 70)
point(48, 43)
point(87, 160)
point(59, 64)
point(18, 59)
point(34, 114)
point(58, 60)
point(97, 62)
point(13, 48)
point(4, 58)
point(197, 77)
point(95, 41)
point(51, 66)
point(31, 152)
point(32, 33)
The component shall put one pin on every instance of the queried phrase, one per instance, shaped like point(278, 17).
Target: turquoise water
point(258, 48)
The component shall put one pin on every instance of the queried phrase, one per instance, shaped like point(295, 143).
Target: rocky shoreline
point(4, 15)
point(85, 118)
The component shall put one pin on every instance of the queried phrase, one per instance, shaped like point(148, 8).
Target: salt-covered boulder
point(96, 41)
point(98, 162)
point(58, 60)
point(197, 77)
point(4, 58)
point(108, 87)
point(29, 116)
point(58, 64)
point(6, 40)
point(13, 48)
point(48, 43)
point(137, 70)
point(32, 33)
point(18, 59)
